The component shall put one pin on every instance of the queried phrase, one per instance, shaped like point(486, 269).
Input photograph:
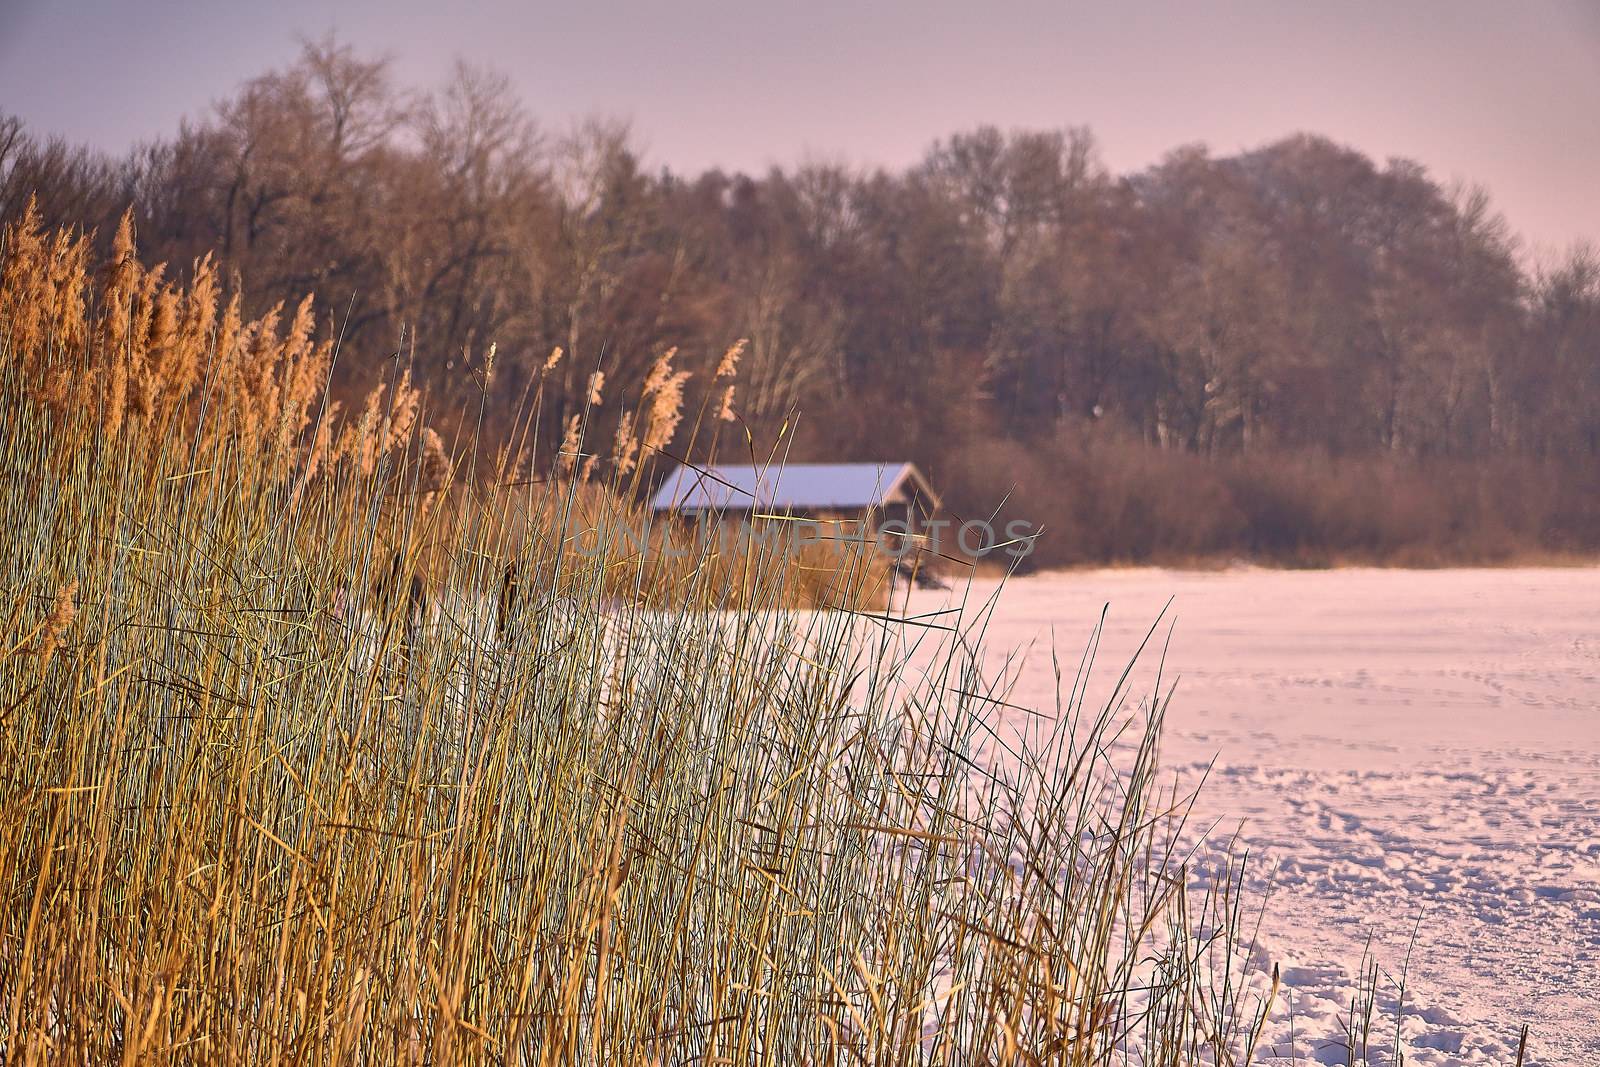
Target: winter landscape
point(905, 534)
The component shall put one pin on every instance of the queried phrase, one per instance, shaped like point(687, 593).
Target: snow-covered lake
point(1395, 744)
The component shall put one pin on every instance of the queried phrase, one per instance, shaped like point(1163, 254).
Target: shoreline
point(1240, 564)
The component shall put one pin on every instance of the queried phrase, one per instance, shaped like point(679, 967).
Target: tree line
point(1292, 353)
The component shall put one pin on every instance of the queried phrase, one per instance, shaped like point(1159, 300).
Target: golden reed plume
point(138, 351)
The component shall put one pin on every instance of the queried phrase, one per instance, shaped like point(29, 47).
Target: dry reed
point(560, 806)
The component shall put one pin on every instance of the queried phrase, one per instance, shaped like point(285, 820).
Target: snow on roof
point(793, 487)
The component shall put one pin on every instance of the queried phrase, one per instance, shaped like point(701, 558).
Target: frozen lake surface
point(1390, 745)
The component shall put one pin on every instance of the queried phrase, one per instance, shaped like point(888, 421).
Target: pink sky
point(1505, 95)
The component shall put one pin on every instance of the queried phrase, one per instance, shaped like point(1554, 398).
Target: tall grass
point(303, 763)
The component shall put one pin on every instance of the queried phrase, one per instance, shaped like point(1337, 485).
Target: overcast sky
point(1505, 94)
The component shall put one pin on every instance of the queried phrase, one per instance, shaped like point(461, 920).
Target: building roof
point(793, 487)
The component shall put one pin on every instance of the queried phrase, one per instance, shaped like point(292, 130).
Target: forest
point(1296, 355)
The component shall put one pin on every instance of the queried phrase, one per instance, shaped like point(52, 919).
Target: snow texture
point(1401, 751)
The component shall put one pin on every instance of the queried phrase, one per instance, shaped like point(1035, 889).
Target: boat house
point(873, 494)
